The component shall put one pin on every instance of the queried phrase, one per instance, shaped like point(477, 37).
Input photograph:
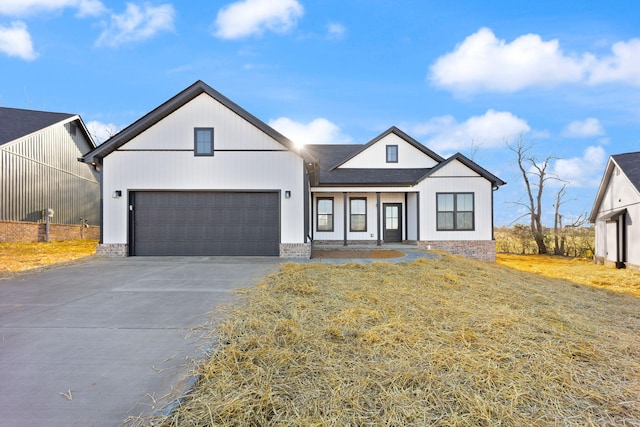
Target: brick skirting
point(295, 250)
point(114, 250)
point(482, 250)
point(31, 232)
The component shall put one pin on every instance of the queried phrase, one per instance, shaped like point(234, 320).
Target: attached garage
point(200, 223)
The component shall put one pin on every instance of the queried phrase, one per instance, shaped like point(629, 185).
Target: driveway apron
point(104, 342)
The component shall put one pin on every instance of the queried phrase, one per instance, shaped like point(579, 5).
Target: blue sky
point(459, 76)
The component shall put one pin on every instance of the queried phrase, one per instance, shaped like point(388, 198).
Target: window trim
point(195, 142)
point(388, 152)
point(455, 211)
point(318, 199)
point(351, 199)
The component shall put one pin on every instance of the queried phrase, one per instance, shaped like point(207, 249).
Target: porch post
point(378, 207)
point(418, 216)
point(344, 211)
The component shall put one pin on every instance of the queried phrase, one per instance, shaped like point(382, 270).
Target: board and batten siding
point(456, 178)
point(41, 171)
point(619, 194)
point(162, 158)
point(372, 215)
point(376, 156)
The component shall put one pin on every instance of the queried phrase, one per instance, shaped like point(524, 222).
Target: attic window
point(392, 154)
point(203, 141)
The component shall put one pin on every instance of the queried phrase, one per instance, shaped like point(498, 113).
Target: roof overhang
point(613, 215)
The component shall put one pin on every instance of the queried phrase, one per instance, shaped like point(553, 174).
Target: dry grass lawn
point(578, 270)
point(19, 257)
point(448, 342)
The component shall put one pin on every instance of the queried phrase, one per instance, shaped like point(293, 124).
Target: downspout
point(305, 208)
point(494, 189)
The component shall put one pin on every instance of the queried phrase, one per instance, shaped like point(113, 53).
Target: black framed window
point(324, 214)
point(203, 141)
point(455, 211)
point(392, 154)
point(358, 214)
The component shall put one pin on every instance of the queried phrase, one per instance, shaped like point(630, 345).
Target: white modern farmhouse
point(199, 175)
point(616, 212)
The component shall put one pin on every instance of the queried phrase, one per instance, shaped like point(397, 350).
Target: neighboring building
point(199, 175)
point(616, 212)
point(39, 168)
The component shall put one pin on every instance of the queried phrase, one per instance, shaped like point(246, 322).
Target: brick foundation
point(295, 250)
point(113, 250)
point(482, 250)
point(31, 232)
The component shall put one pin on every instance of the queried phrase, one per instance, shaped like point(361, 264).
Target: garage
point(181, 223)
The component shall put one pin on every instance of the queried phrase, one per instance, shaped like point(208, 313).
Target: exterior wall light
point(287, 194)
point(117, 193)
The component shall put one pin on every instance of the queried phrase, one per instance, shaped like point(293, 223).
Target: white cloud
point(490, 130)
point(584, 129)
point(252, 17)
point(15, 40)
point(102, 131)
point(317, 131)
point(137, 23)
point(482, 62)
point(623, 66)
point(582, 171)
point(30, 7)
point(336, 31)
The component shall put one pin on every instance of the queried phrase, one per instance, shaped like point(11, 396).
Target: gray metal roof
point(16, 123)
point(630, 165)
point(173, 104)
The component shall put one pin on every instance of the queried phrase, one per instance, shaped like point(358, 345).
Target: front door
point(392, 222)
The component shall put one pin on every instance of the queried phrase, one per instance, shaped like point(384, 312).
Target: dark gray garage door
point(205, 223)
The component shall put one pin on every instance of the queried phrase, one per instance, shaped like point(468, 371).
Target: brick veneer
point(295, 250)
point(114, 250)
point(29, 232)
point(483, 250)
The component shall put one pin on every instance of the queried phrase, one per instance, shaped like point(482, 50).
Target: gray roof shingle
point(630, 165)
point(16, 123)
point(329, 155)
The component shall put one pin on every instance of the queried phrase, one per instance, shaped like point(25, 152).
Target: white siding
point(482, 190)
point(372, 216)
point(375, 156)
point(175, 132)
point(244, 168)
point(619, 194)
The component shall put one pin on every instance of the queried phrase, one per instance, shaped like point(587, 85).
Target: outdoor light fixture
point(117, 193)
point(287, 194)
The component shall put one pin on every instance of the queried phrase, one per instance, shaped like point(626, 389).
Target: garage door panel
point(206, 223)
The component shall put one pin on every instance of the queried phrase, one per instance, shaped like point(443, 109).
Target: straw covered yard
point(447, 342)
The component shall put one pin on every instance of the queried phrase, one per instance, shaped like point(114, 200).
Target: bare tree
point(560, 231)
point(535, 176)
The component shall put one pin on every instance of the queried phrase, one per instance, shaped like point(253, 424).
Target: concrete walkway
point(102, 342)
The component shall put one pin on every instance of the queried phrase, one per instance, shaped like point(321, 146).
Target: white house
point(616, 212)
point(199, 175)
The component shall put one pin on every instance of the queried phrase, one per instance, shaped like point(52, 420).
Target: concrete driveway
point(102, 342)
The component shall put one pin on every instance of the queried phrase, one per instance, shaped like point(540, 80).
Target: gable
point(375, 156)
point(176, 131)
point(241, 119)
point(455, 168)
point(619, 185)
